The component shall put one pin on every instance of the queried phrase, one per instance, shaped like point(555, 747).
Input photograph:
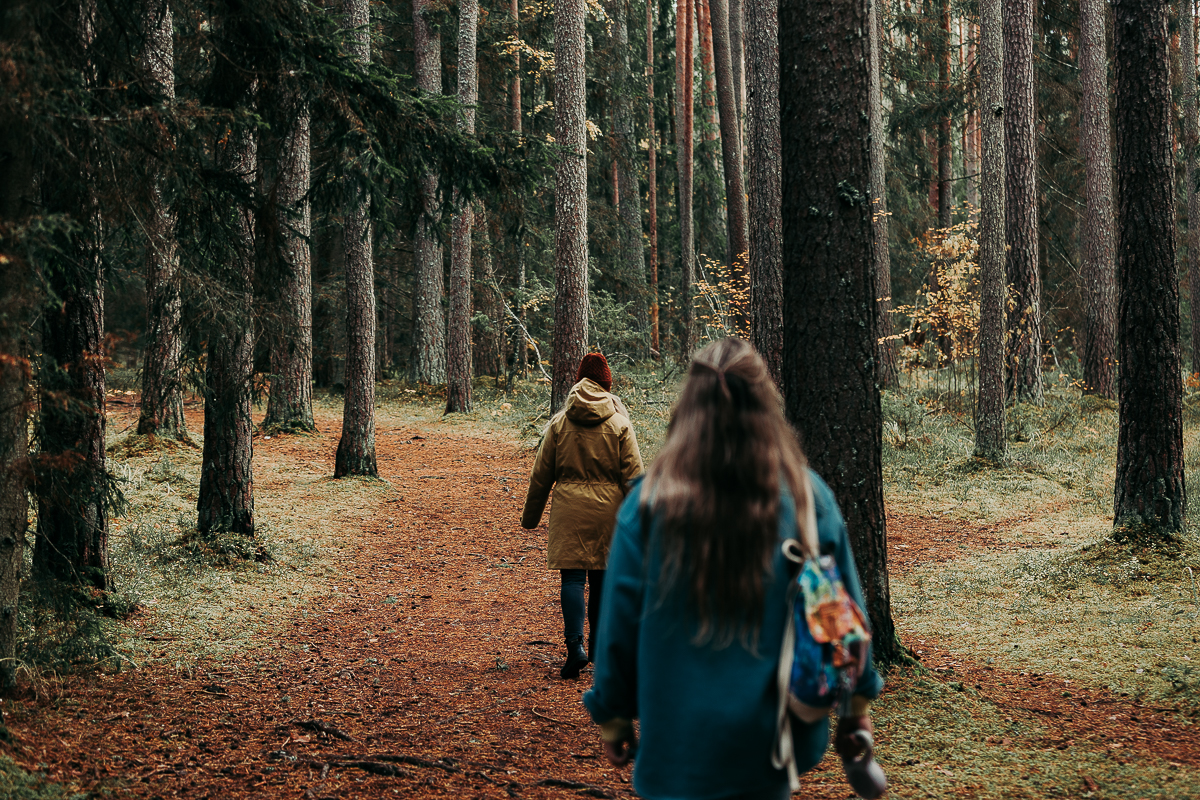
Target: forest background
point(249, 202)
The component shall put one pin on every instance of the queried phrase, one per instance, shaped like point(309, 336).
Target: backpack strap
point(796, 550)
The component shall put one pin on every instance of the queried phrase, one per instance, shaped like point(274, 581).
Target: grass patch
point(180, 597)
point(17, 784)
point(1059, 594)
point(1066, 448)
point(939, 738)
point(522, 410)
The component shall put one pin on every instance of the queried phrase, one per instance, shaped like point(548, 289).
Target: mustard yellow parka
point(588, 454)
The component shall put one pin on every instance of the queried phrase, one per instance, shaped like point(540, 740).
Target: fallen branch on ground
point(316, 726)
point(552, 719)
point(582, 788)
point(377, 768)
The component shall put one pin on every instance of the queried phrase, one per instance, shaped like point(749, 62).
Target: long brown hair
point(715, 488)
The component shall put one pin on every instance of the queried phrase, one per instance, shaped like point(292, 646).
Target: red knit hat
point(595, 366)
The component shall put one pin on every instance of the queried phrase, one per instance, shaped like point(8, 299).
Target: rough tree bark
point(1191, 140)
point(226, 496)
point(489, 345)
point(520, 346)
point(737, 54)
point(16, 302)
point(289, 407)
point(1149, 489)
point(1099, 272)
point(161, 412)
point(428, 363)
point(885, 347)
point(14, 463)
point(684, 154)
point(945, 155)
point(989, 415)
point(570, 199)
point(829, 292)
point(971, 126)
point(356, 448)
point(633, 259)
point(458, 350)
point(72, 534)
point(1024, 377)
point(385, 314)
point(708, 69)
point(516, 78)
point(652, 177)
point(762, 139)
point(737, 228)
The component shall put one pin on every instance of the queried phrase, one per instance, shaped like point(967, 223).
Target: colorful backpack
point(825, 643)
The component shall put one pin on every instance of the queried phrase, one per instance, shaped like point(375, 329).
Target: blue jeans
point(571, 598)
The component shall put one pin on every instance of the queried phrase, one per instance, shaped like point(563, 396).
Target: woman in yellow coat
point(589, 454)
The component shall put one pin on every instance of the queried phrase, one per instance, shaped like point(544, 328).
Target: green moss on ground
point(17, 784)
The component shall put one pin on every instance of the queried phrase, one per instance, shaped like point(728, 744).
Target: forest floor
point(403, 639)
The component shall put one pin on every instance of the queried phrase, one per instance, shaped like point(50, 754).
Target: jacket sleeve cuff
point(600, 712)
point(617, 729)
point(870, 684)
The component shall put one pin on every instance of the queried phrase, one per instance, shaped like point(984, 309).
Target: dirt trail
point(428, 670)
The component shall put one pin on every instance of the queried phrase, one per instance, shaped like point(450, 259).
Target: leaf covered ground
point(403, 639)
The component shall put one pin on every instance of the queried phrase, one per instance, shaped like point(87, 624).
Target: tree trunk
point(945, 155)
point(711, 234)
point(684, 154)
point(652, 177)
point(226, 496)
point(1099, 272)
point(289, 407)
point(885, 347)
point(429, 320)
point(762, 139)
point(1191, 139)
point(731, 151)
point(1150, 487)
point(970, 142)
point(458, 350)
point(161, 413)
point(488, 350)
point(570, 199)
point(829, 290)
point(708, 67)
point(520, 346)
point(18, 301)
point(356, 448)
point(989, 417)
point(633, 261)
point(72, 484)
point(516, 79)
point(737, 54)
point(15, 294)
point(14, 504)
point(1021, 215)
point(385, 313)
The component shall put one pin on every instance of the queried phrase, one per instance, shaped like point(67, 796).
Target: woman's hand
point(620, 741)
point(620, 753)
point(848, 745)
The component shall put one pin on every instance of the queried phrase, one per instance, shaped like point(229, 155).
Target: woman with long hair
point(696, 596)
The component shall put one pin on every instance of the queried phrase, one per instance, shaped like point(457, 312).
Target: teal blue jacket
point(707, 715)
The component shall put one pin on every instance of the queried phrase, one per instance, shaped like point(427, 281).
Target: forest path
point(429, 668)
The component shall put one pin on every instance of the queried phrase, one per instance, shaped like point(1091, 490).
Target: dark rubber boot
point(592, 647)
point(576, 658)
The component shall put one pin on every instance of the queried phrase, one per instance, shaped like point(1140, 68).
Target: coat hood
point(589, 404)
